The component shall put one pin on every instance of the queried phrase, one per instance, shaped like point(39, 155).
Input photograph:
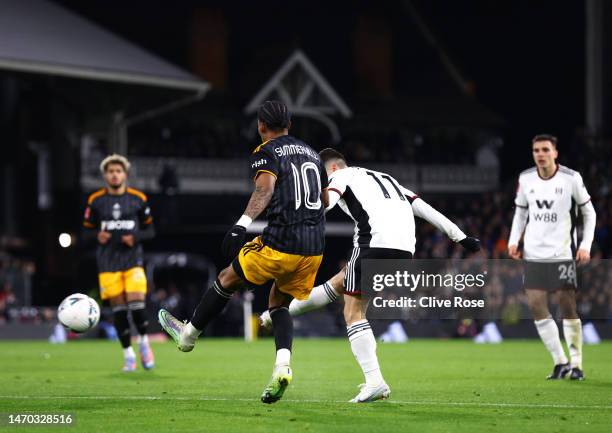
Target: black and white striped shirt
point(383, 210)
point(296, 220)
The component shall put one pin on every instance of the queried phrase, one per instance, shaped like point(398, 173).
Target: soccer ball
point(78, 312)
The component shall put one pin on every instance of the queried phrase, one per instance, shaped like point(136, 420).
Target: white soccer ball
point(78, 312)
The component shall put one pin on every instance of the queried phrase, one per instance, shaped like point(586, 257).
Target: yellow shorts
point(113, 284)
point(293, 274)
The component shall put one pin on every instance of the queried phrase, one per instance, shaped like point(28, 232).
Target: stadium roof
point(300, 85)
point(309, 89)
point(37, 36)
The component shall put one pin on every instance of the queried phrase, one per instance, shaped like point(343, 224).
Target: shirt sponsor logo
point(118, 225)
point(544, 204)
point(259, 163)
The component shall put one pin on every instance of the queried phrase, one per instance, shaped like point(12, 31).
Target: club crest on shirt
point(116, 211)
point(558, 190)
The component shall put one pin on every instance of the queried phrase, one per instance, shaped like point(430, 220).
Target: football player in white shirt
point(383, 212)
point(547, 201)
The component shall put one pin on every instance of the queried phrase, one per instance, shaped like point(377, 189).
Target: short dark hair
point(274, 114)
point(329, 154)
point(545, 137)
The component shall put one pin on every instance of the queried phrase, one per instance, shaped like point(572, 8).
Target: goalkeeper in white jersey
point(548, 199)
point(383, 212)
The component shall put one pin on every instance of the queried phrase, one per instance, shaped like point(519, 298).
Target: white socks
point(143, 339)
point(363, 345)
point(319, 297)
point(549, 333)
point(128, 352)
point(191, 332)
point(572, 331)
point(283, 357)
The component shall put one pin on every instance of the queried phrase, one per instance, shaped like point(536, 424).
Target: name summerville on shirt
point(295, 149)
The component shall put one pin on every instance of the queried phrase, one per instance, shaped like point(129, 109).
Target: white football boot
point(369, 393)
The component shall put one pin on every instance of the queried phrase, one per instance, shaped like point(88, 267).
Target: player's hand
point(233, 241)
point(471, 244)
point(514, 252)
point(583, 256)
point(128, 240)
point(103, 237)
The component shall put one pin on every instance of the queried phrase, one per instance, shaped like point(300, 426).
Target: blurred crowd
point(15, 287)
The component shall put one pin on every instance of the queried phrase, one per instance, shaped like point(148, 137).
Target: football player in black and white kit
point(383, 212)
point(547, 201)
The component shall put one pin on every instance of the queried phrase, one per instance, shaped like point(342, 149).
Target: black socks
point(139, 316)
point(211, 305)
point(122, 325)
point(283, 327)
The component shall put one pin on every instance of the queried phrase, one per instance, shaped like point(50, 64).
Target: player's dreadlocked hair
point(274, 114)
point(115, 158)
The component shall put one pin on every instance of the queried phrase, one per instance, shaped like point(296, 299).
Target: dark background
point(522, 68)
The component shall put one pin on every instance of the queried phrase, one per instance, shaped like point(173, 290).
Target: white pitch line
point(253, 400)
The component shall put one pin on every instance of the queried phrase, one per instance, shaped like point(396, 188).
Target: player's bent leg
point(572, 331)
point(319, 297)
point(122, 325)
point(136, 306)
point(363, 345)
point(213, 301)
point(548, 331)
point(282, 324)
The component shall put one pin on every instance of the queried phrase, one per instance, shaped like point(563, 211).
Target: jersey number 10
point(311, 185)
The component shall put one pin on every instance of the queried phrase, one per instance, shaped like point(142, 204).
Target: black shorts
point(352, 278)
point(550, 276)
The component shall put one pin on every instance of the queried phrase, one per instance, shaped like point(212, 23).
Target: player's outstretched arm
point(422, 209)
point(234, 238)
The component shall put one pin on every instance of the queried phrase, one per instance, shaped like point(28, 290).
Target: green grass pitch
point(437, 386)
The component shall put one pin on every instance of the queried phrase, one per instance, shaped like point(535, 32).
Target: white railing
point(221, 176)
